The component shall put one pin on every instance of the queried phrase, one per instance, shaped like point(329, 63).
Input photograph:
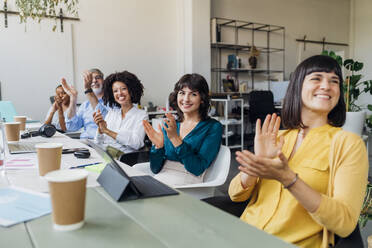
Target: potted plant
point(353, 88)
point(366, 213)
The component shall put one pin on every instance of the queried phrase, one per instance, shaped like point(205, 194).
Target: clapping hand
point(265, 146)
point(170, 126)
point(156, 137)
point(101, 123)
point(256, 166)
point(88, 79)
point(69, 89)
point(265, 140)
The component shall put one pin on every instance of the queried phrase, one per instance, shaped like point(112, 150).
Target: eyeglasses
point(98, 77)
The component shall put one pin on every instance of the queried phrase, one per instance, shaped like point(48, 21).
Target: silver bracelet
point(293, 182)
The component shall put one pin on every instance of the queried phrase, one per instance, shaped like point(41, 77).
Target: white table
point(29, 178)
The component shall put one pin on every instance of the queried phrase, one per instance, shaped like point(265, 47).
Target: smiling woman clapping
point(122, 128)
point(185, 148)
point(305, 183)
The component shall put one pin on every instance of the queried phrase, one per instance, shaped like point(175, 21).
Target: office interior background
point(161, 40)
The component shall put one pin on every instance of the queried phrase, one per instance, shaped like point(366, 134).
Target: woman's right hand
point(100, 122)
point(57, 104)
point(265, 140)
point(157, 138)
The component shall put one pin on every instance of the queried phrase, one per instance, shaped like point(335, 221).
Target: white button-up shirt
point(131, 133)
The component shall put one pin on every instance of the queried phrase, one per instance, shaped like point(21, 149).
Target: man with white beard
point(83, 118)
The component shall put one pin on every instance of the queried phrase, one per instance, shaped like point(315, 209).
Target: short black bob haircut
point(292, 105)
point(197, 83)
point(134, 85)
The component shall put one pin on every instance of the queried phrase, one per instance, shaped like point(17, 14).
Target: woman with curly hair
point(185, 147)
point(121, 129)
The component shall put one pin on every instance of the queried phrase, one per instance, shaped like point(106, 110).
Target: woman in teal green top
point(185, 147)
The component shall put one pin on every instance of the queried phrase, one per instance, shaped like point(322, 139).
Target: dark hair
point(60, 85)
point(292, 105)
point(134, 85)
point(194, 82)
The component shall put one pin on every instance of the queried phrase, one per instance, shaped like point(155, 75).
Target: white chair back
point(219, 169)
point(215, 175)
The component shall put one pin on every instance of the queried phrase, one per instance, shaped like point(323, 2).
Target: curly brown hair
point(134, 85)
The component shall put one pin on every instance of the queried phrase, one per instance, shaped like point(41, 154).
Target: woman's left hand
point(170, 126)
point(270, 168)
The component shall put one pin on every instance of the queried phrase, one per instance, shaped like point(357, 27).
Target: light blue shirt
point(84, 119)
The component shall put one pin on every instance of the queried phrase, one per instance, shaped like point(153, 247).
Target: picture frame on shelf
point(228, 85)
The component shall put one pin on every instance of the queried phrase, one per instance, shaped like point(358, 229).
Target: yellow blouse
point(274, 209)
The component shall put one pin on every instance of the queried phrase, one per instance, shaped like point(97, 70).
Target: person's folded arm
point(196, 162)
point(340, 212)
point(50, 115)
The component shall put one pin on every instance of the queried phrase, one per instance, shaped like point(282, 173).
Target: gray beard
point(97, 91)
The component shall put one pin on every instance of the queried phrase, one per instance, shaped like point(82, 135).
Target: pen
point(84, 165)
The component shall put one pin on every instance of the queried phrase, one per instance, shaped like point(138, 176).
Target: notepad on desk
point(18, 205)
point(21, 163)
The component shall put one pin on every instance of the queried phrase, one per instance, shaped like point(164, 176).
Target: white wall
point(141, 36)
point(315, 18)
point(362, 40)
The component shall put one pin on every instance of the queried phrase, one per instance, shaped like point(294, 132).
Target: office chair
point(261, 103)
point(7, 111)
point(215, 175)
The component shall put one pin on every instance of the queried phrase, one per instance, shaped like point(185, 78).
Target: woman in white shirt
point(60, 105)
point(122, 127)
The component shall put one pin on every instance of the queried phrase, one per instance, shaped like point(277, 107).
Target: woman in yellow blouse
point(308, 182)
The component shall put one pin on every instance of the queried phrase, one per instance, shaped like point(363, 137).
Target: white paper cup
point(12, 130)
point(49, 157)
point(67, 190)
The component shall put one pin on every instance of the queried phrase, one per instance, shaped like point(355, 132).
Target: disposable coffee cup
point(22, 120)
point(67, 192)
point(12, 130)
point(49, 157)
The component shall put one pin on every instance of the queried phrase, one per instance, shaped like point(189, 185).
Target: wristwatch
point(88, 91)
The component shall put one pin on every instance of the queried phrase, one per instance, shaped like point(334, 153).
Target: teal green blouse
point(197, 151)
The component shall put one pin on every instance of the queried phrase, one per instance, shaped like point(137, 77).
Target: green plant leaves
point(39, 9)
point(352, 65)
point(358, 66)
point(368, 86)
point(333, 55)
point(355, 88)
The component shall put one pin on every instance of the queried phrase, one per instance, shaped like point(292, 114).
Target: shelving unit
point(226, 121)
point(230, 35)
